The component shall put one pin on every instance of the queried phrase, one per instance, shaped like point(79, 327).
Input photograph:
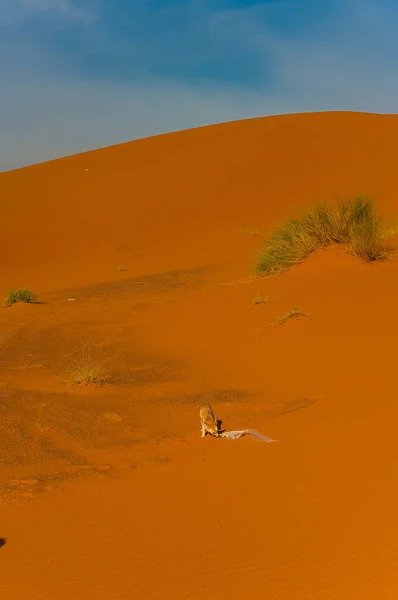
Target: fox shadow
point(219, 426)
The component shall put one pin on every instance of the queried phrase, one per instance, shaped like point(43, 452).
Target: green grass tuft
point(20, 295)
point(354, 223)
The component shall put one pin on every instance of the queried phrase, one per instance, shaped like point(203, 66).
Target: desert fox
point(208, 421)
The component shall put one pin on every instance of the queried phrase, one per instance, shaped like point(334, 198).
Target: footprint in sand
point(113, 417)
point(22, 482)
point(84, 468)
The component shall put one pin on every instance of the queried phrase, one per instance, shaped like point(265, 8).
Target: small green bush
point(20, 295)
point(354, 223)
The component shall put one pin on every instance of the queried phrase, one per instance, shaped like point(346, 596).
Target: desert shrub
point(20, 295)
point(354, 223)
point(86, 370)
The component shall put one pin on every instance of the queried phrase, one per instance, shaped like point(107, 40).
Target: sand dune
point(108, 491)
point(175, 201)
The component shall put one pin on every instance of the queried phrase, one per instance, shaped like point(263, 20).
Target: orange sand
point(108, 492)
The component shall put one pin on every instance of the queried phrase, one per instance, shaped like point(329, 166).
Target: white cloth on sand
point(235, 435)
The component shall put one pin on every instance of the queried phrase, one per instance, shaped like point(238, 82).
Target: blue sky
point(80, 74)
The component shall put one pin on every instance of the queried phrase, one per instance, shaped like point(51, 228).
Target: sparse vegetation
point(295, 313)
point(292, 314)
point(354, 223)
point(20, 295)
point(87, 371)
point(259, 299)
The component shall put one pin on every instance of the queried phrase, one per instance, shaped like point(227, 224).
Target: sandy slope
point(109, 492)
point(175, 201)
